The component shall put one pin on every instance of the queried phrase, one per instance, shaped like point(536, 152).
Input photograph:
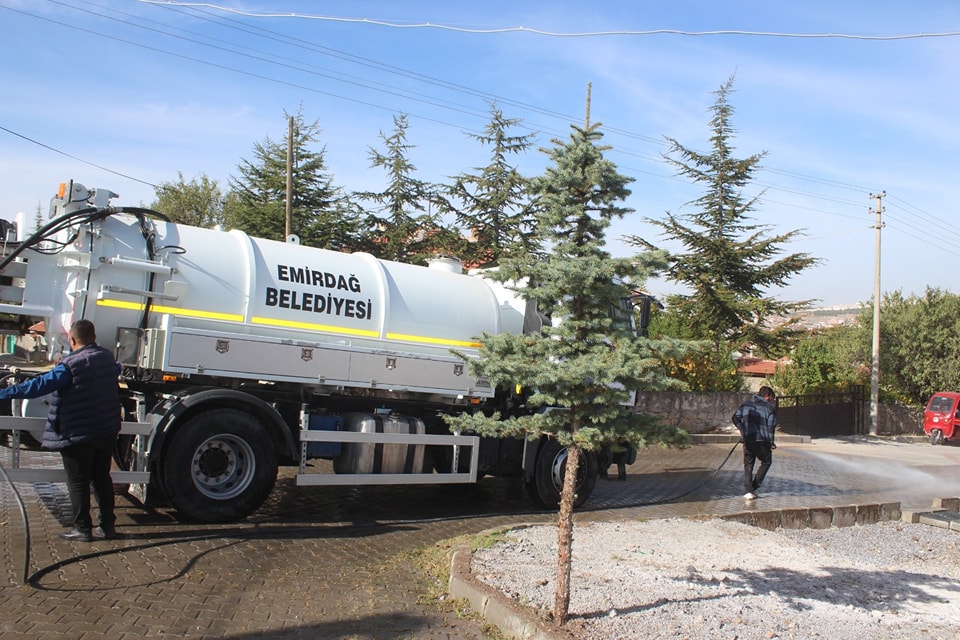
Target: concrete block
point(868, 514)
point(742, 518)
point(889, 511)
point(769, 520)
point(845, 516)
point(821, 517)
point(795, 518)
point(913, 517)
point(948, 504)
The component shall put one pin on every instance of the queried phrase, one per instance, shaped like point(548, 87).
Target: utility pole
point(875, 364)
point(586, 122)
point(288, 228)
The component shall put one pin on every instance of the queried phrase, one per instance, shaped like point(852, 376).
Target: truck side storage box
point(379, 457)
point(320, 422)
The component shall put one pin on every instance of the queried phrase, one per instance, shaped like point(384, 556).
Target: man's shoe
point(107, 533)
point(77, 535)
point(750, 496)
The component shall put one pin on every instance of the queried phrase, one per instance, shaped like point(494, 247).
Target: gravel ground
point(678, 578)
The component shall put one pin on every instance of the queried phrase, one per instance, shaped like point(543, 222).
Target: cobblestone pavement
point(328, 562)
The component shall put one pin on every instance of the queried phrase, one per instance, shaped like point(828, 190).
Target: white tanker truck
point(241, 354)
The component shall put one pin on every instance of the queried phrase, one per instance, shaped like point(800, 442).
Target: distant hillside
point(819, 317)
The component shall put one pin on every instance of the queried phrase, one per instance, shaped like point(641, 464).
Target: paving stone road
point(329, 562)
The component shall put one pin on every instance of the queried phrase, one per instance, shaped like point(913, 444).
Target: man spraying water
point(757, 421)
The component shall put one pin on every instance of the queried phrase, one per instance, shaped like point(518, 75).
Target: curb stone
point(513, 619)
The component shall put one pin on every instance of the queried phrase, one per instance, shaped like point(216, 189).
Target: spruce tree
point(404, 222)
point(585, 364)
point(38, 217)
point(728, 262)
point(493, 204)
point(322, 215)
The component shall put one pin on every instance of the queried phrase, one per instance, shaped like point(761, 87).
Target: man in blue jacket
point(757, 421)
point(82, 424)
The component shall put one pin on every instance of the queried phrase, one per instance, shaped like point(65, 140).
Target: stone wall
point(711, 412)
point(898, 420)
point(693, 412)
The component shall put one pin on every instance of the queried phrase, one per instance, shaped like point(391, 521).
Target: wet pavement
point(334, 562)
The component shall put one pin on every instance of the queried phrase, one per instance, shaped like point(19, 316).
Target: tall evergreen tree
point(493, 204)
point(589, 362)
point(404, 224)
point(198, 202)
point(322, 215)
point(728, 262)
point(38, 217)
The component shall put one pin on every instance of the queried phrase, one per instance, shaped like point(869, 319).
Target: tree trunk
point(561, 606)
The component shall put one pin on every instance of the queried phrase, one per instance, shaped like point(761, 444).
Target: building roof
point(749, 366)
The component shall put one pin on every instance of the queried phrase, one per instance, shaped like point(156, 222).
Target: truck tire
point(547, 481)
point(220, 466)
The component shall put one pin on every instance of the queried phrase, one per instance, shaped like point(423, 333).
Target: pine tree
point(405, 223)
point(38, 217)
point(728, 262)
point(586, 365)
point(322, 215)
point(493, 204)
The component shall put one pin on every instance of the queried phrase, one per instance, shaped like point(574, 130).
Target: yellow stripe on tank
point(174, 311)
point(427, 340)
point(292, 324)
point(289, 324)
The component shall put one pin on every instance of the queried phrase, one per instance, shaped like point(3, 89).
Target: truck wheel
point(220, 466)
point(549, 470)
point(936, 437)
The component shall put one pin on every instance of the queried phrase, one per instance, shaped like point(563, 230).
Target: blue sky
point(144, 90)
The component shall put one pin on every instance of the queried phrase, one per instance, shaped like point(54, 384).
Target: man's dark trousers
point(85, 464)
point(753, 451)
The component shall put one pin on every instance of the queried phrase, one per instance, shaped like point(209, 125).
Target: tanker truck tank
point(227, 304)
point(192, 301)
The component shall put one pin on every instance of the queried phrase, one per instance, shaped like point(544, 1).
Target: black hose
point(41, 233)
point(705, 480)
point(55, 225)
point(26, 524)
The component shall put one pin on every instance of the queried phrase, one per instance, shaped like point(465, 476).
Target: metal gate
point(823, 414)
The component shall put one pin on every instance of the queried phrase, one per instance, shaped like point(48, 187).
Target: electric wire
point(305, 45)
point(72, 157)
point(407, 95)
point(556, 34)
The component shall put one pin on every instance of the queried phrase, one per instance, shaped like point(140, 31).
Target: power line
point(922, 212)
point(555, 34)
point(73, 157)
point(233, 49)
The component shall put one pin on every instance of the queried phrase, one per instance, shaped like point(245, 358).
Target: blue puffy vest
point(89, 408)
